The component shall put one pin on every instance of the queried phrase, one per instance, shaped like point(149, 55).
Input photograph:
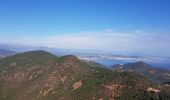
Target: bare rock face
point(15, 77)
point(150, 89)
point(77, 85)
point(63, 79)
point(13, 64)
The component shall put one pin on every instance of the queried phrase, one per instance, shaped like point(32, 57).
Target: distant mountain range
point(4, 53)
point(39, 75)
point(19, 48)
point(58, 51)
point(96, 57)
point(79, 54)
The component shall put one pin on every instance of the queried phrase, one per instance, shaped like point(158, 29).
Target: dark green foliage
point(26, 59)
point(155, 74)
point(39, 75)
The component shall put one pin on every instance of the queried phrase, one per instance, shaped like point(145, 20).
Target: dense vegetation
point(39, 75)
point(157, 75)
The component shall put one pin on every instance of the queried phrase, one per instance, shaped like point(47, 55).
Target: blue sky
point(110, 26)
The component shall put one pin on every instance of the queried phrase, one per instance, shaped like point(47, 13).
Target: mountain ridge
point(4, 53)
point(39, 75)
point(159, 75)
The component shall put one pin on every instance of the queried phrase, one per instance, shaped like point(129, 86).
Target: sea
point(163, 63)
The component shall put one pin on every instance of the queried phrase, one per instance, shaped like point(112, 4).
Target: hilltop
point(158, 75)
point(39, 75)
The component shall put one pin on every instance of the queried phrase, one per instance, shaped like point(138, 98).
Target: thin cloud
point(139, 41)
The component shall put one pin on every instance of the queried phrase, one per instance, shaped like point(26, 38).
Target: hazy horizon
point(106, 26)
